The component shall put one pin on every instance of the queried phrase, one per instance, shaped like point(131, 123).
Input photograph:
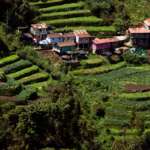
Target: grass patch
point(91, 20)
point(68, 14)
point(65, 7)
point(8, 60)
point(21, 64)
point(99, 70)
point(24, 72)
point(37, 77)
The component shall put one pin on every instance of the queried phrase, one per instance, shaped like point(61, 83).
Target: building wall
point(55, 40)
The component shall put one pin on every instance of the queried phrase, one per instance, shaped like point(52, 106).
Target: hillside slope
point(69, 16)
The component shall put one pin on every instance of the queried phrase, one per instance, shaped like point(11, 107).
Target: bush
point(65, 7)
point(133, 58)
point(66, 14)
point(91, 20)
point(27, 94)
point(10, 88)
point(8, 60)
point(24, 72)
point(34, 57)
point(16, 66)
point(37, 77)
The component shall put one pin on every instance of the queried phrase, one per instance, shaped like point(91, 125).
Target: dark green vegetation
point(43, 108)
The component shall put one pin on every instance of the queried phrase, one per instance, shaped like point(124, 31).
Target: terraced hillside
point(69, 16)
point(23, 71)
point(126, 114)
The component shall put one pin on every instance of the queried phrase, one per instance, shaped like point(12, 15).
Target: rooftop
point(55, 35)
point(71, 34)
point(105, 40)
point(82, 33)
point(147, 21)
point(138, 30)
point(65, 44)
point(39, 26)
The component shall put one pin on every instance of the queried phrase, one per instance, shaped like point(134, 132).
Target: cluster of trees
point(121, 13)
point(56, 121)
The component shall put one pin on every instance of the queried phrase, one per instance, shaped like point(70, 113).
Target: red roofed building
point(103, 46)
point(140, 36)
point(83, 39)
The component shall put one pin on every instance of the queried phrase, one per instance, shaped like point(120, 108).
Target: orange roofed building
point(106, 46)
point(140, 36)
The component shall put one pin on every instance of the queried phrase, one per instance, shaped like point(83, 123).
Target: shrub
point(133, 58)
point(68, 14)
point(77, 21)
point(10, 88)
point(65, 7)
point(16, 66)
point(34, 57)
point(8, 60)
point(27, 94)
point(37, 77)
point(24, 72)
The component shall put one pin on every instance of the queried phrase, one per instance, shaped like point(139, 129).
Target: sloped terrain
point(23, 71)
point(69, 16)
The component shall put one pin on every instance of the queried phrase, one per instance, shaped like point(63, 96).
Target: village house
point(69, 37)
point(106, 46)
point(54, 38)
point(64, 47)
point(140, 36)
point(39, 31)
point(83, 39)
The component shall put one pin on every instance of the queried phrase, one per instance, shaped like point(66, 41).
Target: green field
point(67, 16)
point(23, 71)
point(120, 107)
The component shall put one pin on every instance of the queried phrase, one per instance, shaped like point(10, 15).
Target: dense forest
point(69, 113)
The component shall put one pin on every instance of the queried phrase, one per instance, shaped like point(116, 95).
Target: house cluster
point(140, 35)
point(81, 40)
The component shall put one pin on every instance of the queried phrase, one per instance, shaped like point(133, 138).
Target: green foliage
point(10, 88)
point(22, 73)
point(7, 60)
point(27, 94)
point(33, 56)
point(134, 58)
point(91, 20)
point(65, 7)
point(37, 77)
point(59, 123)
point(68, 14)
point(99, 70)
point(16, 66)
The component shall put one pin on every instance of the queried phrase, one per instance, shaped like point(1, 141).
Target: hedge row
point(90, 63)
point(8, 60)
point(135, 96)
point(99, 70)
point(24, 72)
point(48, 3)
point(37, 77)
point(91, 20)
point(39, 84)
point(65, 7)
point(21, 64)
point(109, 30)
point(68, 14)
